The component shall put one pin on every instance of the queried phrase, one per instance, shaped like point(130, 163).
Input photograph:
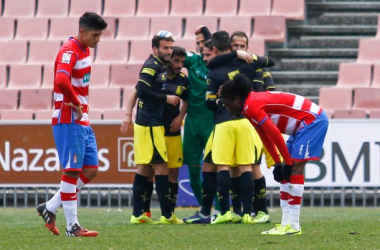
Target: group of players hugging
point(232, 116)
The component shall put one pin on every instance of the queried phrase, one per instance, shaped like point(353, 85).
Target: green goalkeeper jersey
point(197, 75)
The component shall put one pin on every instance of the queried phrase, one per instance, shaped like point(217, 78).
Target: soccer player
point(73, 136)
point(273, 113)
point(232, 146)
point(150, 147)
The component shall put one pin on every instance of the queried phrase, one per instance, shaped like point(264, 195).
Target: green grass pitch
point(323, 228)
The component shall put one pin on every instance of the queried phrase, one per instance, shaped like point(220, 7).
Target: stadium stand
point(32, 28)
point(367, 99)
point(186, 8)
point(192, 23)
point(369, 51)
point(174, 24)
point(123, 75)
point(254, 8)
point(49, 8)
point(104, 98)
point(43, 52)
point(63, 28)
point(376, 76)
point(43, 115)
point(257, 46)
point(78, 7)
point(3, 76)
point(221, 8)
point(128, 30)
point(8, 115)
point(110, 32)
point(24, 76)
point(231, 24)
point(114, 114)
point(139, 51)
point(349, 114)
point(374, 114)
point(12, 52)
point(354, 75)
point(112, 51)
point(270, 28)
point(188, 44)
point(95, 115)
point(119, 8)
point(100, 75)
point(7, 28)
point(19, 8)
point(48, 76)
point(145, 8)
point(335, 98)
point(291, 9)
point(8, 99)
point(36, 99)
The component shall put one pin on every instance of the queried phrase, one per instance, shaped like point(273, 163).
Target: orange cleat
point(48, 217)
point(78, 231)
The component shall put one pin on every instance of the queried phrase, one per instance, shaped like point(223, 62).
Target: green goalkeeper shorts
point(196, 134)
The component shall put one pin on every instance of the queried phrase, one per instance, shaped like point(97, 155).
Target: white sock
point(69, 200)
point(284, 196)
point(55, 202)
point(296, 188)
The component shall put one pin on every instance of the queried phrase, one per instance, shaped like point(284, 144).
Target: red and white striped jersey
point(289, 112)
point(74, 60)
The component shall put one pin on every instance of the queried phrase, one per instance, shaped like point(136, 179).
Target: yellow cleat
point(247, 219)
point(292, 231)
point(223, 219)
point(143, 219)
point(236, 218)
point(261, 217)
point(278, 230)
point(172, 220)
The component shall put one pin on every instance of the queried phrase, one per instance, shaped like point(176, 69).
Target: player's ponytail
point(239, 86)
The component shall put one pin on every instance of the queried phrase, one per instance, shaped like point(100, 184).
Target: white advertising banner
point(351, 157)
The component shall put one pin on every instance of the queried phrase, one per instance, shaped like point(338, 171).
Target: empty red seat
point(232, 24)
point(123, 75)
point(49, 8)
point(119, 8)
point(36, 99)
point(367, 98)
point(126, 94)
point(117, 114)
point(376, 76)
point(17, 115)
point(354, 75)
point(378, 28)
point(79, 7)
point(63, 28)
point(19, 8)
point(112, 51)
point(186, 8)
point(192, 23)
point(221, 8)
point(187, 44)
point(256, 46)
point(255, 8)
point(335, 98)
point(156, 8)
point(100, 74)
point(48, 76)
point(7, 28)
point(140, 51)
point(3, 76)
point(43, 52)
point(8, 99)
point(105, 98)
point(43, 115)
point(374, 114)
point(133, 28)
point(13, 52)
point(110, 31)
point(172, 24)
point(24, 76)
point(329, 113)
point(270, 28)
point(32, 28)
point(291, 9)
point(369, 51)
point(95, 115)
point(350, 114)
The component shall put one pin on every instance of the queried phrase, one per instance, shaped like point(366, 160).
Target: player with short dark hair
point(73, 136)
point(232, 148)
point(273, 113)
point(150, 147)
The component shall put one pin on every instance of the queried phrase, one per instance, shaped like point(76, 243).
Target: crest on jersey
point(66, 57)
point(75, 158)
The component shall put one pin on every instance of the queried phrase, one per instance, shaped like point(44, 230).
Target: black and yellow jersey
point(178, 85)
point(149, 91)
point(268, 80)
point(219, 75)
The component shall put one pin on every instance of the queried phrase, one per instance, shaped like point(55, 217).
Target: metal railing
point(95, 196)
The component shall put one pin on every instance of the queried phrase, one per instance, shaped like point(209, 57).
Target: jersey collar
point(78, 43)
point(158, 59)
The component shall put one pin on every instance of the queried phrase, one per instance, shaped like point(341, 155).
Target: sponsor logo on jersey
point(232, 74)
point(66, 57)
point(148, 71)
point(86, 78)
